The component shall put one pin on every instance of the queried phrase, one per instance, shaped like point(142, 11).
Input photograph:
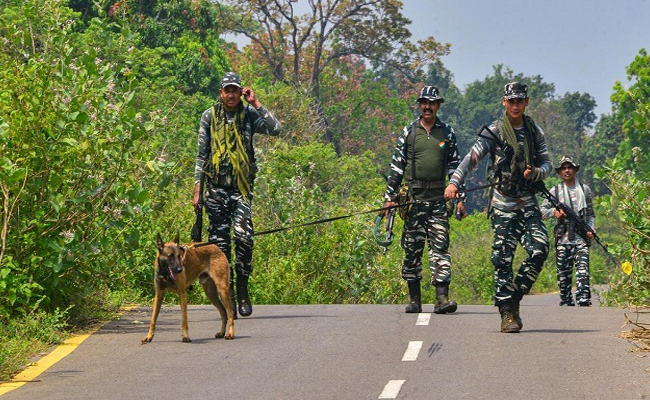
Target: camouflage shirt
point(258, 120)
point(570, 197)
point(401, 163)
point(502, 199)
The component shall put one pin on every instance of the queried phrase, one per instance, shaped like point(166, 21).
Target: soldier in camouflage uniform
point(518, 156)
point(425, 155)
point(226, 156)
point(571, 249)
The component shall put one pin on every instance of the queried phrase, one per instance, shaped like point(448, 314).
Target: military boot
point(245, 306)
point(415, 306)
point(443, 304)
point(508, 322)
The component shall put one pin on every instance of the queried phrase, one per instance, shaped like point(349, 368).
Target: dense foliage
point(99, 108)
point(628, 176)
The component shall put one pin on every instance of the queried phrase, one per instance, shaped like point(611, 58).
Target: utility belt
point(227, 185)
point(418, 184)
point(226, 179)
point(405, 195)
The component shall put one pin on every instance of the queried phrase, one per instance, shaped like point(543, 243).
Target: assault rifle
point(581, 227)
point(197, 228)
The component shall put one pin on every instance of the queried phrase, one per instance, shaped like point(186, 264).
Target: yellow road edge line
point(35, 369)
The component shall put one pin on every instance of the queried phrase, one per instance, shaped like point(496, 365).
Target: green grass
point(22, 339)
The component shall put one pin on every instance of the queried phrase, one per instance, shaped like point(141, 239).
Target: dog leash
point(320, 221)
point(375, 210)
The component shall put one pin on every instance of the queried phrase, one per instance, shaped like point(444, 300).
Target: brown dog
point(177, 267)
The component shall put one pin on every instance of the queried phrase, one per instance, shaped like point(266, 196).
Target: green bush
point(630, 201)
point(31, 334)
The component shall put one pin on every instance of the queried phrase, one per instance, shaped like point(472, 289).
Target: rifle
point(581, 227)
point(388, 239)
point(197, 228)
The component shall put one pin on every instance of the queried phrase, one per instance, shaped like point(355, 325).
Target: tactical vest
point(499, 168)
point(426, 160)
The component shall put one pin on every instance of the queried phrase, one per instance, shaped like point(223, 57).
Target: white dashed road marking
point(412, 351)
point(393, 387)
point(391, 390)
point(423, 319)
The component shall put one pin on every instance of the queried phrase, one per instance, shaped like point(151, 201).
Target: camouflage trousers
point(568, 256)
point(427, 222)
point(228, 210)
point(526, 227)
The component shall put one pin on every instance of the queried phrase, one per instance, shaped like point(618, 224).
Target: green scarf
point(227, 143)
point(519, 161)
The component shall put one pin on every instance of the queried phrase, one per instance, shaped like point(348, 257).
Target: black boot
point(443, 305)
point(245, 306)
point(415, 306)
point(508, 321)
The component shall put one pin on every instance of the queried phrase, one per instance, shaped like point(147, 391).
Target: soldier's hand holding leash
point(451, 192)
point(387, 205)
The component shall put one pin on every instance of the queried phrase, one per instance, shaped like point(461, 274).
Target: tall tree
point(303, 44)
point(298, 41)
point(600, 147)
point(566, 122)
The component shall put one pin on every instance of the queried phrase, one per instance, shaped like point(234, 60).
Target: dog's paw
point(229, 337)
point(186, 339)
point(146, 339)
point(219, 335)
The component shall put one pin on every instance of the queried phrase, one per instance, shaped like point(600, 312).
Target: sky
point(578, 45)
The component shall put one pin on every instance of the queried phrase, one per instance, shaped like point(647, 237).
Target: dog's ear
point(161, 244)
point(177, 238)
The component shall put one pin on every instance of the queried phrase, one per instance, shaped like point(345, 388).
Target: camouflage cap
point(430, 93)
point(567, 160)
point(229, 79)
point(515, 90)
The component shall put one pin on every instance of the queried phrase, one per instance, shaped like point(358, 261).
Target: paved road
point(354, 352)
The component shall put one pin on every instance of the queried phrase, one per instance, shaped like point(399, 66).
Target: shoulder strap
point(414, 129)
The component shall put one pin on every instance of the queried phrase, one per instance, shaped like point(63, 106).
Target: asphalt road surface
point(352, 352)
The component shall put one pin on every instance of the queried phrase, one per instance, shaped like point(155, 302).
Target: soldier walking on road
point(226, 156)
point(571, 249)
point(519, 157)
point(425, 155)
